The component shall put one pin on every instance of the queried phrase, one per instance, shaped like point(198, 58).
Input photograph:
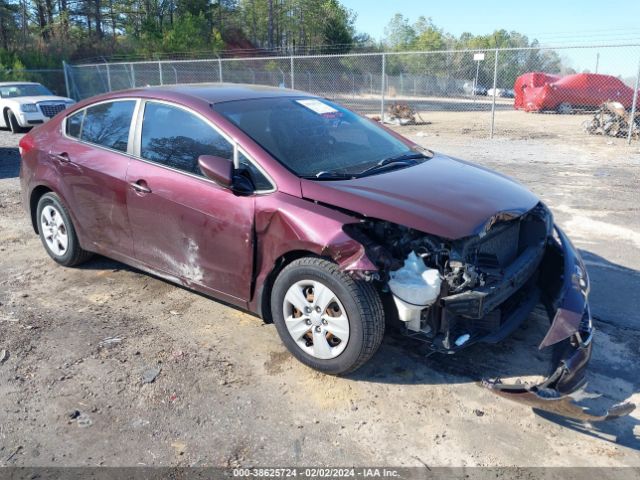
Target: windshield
point(313, 137)
point(23, 90)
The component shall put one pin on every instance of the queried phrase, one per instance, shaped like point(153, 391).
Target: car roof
point(215, 92)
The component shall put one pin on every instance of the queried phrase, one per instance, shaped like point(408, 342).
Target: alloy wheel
point(54, 230)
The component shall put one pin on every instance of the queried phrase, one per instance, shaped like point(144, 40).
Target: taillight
point(25, 145)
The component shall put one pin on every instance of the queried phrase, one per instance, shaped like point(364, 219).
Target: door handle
point(62, 157)
point(140, 186)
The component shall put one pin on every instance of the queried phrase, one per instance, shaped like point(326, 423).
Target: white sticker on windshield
point(317, 106)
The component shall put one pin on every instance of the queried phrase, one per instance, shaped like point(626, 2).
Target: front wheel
point(13, 123)
point(328, 320)
point(57, 233)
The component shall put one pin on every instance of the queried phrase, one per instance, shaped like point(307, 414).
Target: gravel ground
point(80, 343)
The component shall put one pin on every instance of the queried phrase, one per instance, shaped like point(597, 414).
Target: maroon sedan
point(316, 219)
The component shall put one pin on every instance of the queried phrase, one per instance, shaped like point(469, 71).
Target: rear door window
point(176, 138)
point(108, 124)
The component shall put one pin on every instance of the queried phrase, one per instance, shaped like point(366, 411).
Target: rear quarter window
point(74, 124)
point(107, 124)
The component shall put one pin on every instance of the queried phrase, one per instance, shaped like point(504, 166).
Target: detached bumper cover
point(571, 336)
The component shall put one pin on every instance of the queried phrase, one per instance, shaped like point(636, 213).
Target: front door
point(183, 224)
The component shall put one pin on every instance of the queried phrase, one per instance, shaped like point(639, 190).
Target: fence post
point(493, 101)
point(634, 105)
point(160, 72)
point(382, 87)
point(66, 78)
point(133, 76)
point(220, 69)
point(108, 76)
point(293, 83)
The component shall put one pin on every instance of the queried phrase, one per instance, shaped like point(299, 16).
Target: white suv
point(27, 104)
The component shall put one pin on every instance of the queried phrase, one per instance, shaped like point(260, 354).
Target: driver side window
point(249, 170)
point(176, 138)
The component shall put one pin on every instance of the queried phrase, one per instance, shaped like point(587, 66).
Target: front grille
point(506, 241)
point(51, 110)
point(500, 247)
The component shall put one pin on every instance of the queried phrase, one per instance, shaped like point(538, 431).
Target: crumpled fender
point(284, 223)
point(571, 336)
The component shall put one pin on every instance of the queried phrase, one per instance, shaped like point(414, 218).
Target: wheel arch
point(264, 294)
point(5, 115)
point(36, 195)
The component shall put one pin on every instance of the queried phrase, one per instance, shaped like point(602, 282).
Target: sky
point(554, 23)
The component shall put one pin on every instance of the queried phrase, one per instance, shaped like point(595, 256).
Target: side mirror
point(218, 169)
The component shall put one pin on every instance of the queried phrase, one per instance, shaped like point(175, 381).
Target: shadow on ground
point(613, 374)
point(9, 162)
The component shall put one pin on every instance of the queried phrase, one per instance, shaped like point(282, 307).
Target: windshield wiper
point(405, 159)
point(329, 175)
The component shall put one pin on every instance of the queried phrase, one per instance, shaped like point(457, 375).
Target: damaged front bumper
point(571, 337)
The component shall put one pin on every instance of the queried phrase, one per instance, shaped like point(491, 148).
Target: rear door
point(92, 158)
point(184, 224)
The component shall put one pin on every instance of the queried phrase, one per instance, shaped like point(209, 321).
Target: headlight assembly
point(29, 107)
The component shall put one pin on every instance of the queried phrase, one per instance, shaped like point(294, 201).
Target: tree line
point(41, 33)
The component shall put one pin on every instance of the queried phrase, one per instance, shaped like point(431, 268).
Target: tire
point(354, 305)
point(564, 108)
point(57, 232)
point(13, 123)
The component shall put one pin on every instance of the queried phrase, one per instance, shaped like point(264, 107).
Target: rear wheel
point(57, 232)
point(328, 320)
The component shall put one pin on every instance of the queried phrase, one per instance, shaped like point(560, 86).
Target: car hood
point(39, 98)
point(441, 196)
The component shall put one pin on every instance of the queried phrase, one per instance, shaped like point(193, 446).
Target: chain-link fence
point(482, 92)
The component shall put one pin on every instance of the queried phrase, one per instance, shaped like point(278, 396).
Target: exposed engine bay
point(454, 293)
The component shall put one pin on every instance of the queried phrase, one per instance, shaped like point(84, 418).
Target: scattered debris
point(612, 120)
point(4, 356)
point(150, 374)
point(109, 342)
point(174, 312)
point(179, 447)
point(402, 114)
point(14, 453)
point(422, 462)
point(83, 420)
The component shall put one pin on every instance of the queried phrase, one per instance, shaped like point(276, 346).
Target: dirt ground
point(80, 341)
